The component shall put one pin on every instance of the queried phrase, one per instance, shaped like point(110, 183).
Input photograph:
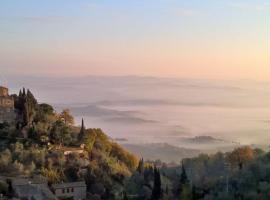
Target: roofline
point(69, 184)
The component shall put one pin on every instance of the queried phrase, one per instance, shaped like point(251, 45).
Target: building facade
point(6, 101)
point(7, 112)
point(74, 190)
point(3, 91)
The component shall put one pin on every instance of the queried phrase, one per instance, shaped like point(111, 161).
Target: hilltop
point(41, 141)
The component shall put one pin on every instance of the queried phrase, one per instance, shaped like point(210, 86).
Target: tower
point(6, 101)
point(3, 91)
point(7, 112)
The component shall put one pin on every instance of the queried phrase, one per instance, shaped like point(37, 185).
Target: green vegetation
point(241, 174)
point(44, 142)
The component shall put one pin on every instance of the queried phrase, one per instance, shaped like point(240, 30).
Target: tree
point(185, 190)
point(240, 156)
point(66, 117)
point(82, 134)
point(186, 193)
point(44, 110)
point(60, 133)
point(140, 168)
point(28, 105)
point(157, 191)
point(90, 140)
point(71, 172)
point(51, 175)
point(183, 177)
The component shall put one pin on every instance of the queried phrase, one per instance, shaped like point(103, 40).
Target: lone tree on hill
point(81, 135)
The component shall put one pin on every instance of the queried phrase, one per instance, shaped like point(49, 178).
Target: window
point(68, 190)
point(72, 189)
point(63, 190)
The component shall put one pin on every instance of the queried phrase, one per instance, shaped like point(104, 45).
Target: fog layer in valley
point(161, 110)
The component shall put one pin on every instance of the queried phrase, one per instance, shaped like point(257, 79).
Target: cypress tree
point(81, 135)
point(185, 191)
point(157, 191)
point(30, 97)
point(27, 106)
point(30, 108)
point(140, 168)
point(183, 177)
point(23, 93)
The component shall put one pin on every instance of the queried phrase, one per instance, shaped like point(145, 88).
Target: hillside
point(43, 142)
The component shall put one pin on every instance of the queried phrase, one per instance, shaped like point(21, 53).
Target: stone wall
point(7, 115)
point(6, 102)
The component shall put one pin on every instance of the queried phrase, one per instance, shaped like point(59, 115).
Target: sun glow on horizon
point(190, 39)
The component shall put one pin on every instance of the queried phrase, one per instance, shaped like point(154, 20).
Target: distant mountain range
point(161, 151)
point(183, 148)
point(206, 144)
point(207, 140)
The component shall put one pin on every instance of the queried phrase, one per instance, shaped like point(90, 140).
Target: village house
point(74, 190)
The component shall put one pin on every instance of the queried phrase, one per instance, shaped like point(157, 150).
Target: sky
point(210, 39)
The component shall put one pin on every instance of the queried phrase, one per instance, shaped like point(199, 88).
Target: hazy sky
point(228, 39)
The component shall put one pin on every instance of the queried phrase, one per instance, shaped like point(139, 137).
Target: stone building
point(6, 101)
point(73, 190)
point(7, 112)
point(32, 189)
